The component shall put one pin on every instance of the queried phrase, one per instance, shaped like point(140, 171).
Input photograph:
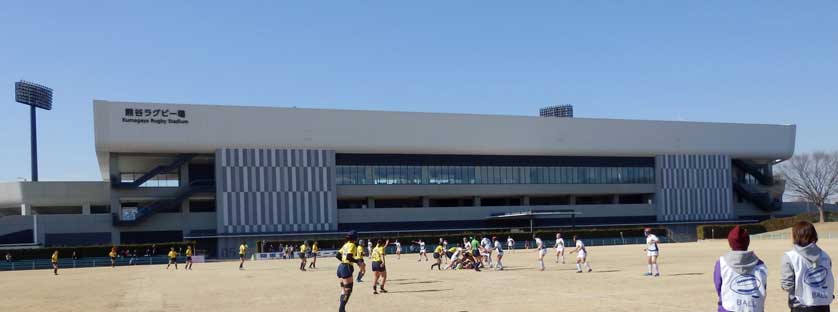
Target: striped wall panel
point(275, 190)
point(694, 187)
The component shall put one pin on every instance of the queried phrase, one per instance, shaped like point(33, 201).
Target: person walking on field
point(188, 258)
point(242, 254)
point(398, 250)
point(806, 272)
point(54, 261)
point(346, 256)
point(379, 267)
point(510, 243)
point(540, 251)
point(172, 258)
point(303, 251)
point(652, 252)
point(314, 250)
point(559, 248)
point(740, 276)
point(581, 256)
point(113, 255)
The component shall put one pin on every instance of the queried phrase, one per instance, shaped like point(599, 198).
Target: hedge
point(92, 251)
point(712, 231)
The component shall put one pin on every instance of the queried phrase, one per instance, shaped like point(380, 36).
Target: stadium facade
point(221, 174)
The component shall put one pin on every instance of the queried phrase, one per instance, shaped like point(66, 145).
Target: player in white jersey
point(510, 243)
point(582, 256)
point(398, 250)
point(369, 247)
point(559, 248)
point(454, 256)
point(486, 250)
point(445, 247)
point(422, 251)
point(541, 250)
point(498, 248)
point(652, 252)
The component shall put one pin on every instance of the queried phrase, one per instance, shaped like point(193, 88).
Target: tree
point(812, 177)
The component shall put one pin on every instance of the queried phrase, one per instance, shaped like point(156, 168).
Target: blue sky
point(756, 62)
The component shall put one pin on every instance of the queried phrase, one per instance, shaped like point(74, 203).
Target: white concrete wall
point(14, 194)
point(349, 131)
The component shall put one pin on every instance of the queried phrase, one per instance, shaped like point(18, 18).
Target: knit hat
point(738, 239)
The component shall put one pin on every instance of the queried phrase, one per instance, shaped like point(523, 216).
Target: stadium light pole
point(36, 96)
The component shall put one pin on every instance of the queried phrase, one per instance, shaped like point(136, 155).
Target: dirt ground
point(616, 284)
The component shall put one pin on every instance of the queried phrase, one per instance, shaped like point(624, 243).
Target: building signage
point(155, 116)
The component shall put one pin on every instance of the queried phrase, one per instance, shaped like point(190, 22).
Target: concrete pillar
point(370, 202)
point(184, 213)
point(25, 209)
point(477, 201)
point(572, 200)
point(85, 209)
point(426, 201)
point(184, 175)
point(115, 239)
point(116, 205)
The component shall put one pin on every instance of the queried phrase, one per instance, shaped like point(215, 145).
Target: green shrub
point(711, 231)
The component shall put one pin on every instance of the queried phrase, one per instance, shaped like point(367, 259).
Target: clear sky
point(728, 61)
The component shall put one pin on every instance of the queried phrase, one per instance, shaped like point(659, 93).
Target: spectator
point(740, 276)
point(148, 252)
point(75, 257)
point(8, 257)
point(806, 271)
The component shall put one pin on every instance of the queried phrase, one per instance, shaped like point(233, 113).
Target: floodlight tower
point(36, 96)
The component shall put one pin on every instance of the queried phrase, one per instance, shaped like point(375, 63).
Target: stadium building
point(222, 174)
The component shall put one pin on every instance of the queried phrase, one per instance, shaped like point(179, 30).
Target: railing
point(180, 160)
point(787, 236)
point(39, 264)
point(754, 171)
point(197, 186)
point(760, 199)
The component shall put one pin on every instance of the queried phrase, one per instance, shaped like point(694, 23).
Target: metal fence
point(787, 236)
point(37, 264)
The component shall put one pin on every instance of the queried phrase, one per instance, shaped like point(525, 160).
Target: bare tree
point(812, 177)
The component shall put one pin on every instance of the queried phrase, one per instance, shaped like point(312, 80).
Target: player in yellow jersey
point(379, 268)
point(54, 260)
point(303, 251)
point(359, 258)
point(439, 252)
point(188, 258)
point(112, 254)
point(242, 254)
point(346, 255)
point(314, 251)
point(172, 258)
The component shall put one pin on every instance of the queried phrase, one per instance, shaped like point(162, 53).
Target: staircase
point(144, 212)
point(754, 193)
point(754, 171)
point(761, 199)
point(179, 161)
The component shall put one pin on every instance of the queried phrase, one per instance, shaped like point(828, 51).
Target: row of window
point(160, 180)
point(352, 175)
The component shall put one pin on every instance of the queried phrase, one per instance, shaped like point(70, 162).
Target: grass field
point(616, 284)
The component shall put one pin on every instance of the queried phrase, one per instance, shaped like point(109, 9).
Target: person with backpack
point(806, 272)
point(740, 276)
